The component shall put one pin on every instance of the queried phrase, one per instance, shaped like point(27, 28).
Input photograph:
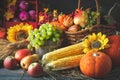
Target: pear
point(26, 61)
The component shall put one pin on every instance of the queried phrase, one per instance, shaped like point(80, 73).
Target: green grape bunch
point(45, 32)
point(92, 17)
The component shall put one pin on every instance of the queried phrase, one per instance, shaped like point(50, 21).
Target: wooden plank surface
point(19, 74)
point(10, 74)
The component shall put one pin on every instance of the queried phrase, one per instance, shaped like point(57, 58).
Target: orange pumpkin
point(114, 50)
point(95, 64)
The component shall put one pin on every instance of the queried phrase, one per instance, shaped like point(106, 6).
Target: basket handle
point(97, 8)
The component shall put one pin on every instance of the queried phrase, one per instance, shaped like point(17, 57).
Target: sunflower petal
point(12, 31)
point(96, 37)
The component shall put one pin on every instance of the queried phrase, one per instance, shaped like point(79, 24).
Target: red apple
point(35, 70)
point(10, 63)
point(20, 54)
point(77, 17)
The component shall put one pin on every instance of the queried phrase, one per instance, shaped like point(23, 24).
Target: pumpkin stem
point(95, 54)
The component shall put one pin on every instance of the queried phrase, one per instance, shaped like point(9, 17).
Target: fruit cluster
point(80, 19)
point(24, 59)
point(45, 32)
point(47, 16)
point(26, 13)
point(76, 20)
point(22, 10)
point(70, 57)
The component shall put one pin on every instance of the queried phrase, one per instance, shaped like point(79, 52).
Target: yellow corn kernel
point(71, 50)
point(64, 63)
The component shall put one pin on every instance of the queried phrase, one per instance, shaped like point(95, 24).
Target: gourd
point(114, 50)
point(68, 21)
point(95, 64)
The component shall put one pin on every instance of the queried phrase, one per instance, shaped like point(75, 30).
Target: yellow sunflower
point(97, 41)
point(19, 32)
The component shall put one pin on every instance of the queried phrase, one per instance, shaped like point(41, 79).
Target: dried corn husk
point(9, 48)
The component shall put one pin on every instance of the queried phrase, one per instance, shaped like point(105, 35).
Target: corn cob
point(62, 52)
point(64, 63)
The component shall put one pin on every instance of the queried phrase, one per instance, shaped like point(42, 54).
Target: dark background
point(70, 5)
point(67, 6)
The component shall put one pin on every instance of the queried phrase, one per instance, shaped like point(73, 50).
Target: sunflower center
point(95, 44)
point(21, 35)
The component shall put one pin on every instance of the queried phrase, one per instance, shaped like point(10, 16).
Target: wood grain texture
point(6, 74)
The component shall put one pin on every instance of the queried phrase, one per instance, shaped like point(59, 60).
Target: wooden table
point(20, 74)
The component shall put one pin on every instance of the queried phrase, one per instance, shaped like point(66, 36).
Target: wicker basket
point(48, 46)
point(75, 37)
